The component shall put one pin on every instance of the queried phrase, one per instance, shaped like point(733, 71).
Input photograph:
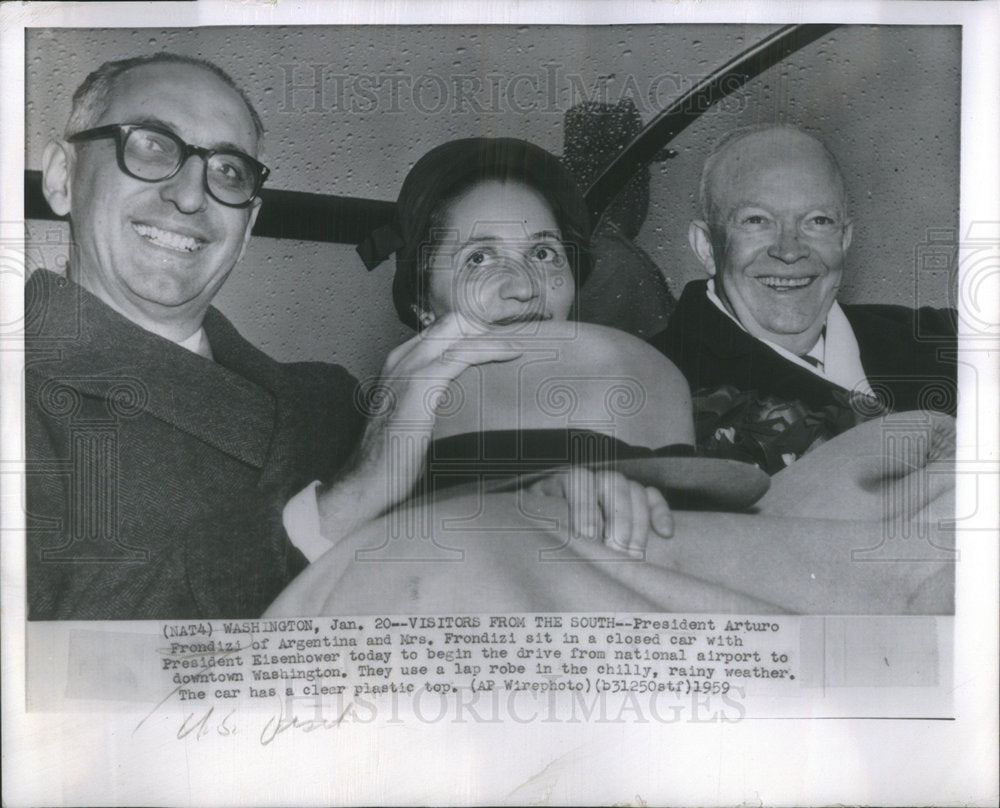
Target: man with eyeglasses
point(167, 455)
point(775, 363)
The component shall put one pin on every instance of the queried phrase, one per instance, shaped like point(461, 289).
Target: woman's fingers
point(608, 507)
point(639, 521)
point(661, 518)
point(617, 507)
point(584, 510)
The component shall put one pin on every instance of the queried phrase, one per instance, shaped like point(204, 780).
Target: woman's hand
point(608, 507)
point(401, 408)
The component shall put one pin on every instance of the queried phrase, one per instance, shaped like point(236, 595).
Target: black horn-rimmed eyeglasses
point(153, 154)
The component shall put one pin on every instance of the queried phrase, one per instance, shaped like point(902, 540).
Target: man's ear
point(57, 175)
point(700, 239)
point(845, 240)
point(254, 210)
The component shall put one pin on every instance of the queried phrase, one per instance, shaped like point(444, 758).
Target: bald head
point(94, 95)
point(740, 151)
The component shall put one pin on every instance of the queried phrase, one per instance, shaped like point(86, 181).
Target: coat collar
point(708, 327)
point(73, 338)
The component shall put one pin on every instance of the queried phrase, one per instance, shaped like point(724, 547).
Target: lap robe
point(846, 530)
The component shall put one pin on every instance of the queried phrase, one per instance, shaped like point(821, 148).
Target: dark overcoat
point(908, 355)
point(156, 478)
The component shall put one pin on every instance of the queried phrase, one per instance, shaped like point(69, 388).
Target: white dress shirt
point(198, 343)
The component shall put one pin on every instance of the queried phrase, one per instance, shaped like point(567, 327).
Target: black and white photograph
point(544, 395)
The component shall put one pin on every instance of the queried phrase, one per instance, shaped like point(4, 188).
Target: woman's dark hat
point(444, 171)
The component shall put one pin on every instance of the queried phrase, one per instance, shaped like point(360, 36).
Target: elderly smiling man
point(162, 447)
point(775, 363)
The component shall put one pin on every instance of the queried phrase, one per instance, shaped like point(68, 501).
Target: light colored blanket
point(860, 525)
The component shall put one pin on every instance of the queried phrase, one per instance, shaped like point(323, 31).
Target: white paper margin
point(75, 759)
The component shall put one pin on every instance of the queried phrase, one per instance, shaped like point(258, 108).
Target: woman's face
point(499, 260)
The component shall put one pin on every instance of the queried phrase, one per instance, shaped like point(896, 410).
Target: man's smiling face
point(779, 236)
point(159, 251)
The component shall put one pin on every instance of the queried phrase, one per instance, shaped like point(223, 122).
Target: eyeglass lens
point(152, 155)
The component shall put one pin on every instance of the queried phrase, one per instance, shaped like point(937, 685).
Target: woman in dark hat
point(496, 229)
point(494, 233)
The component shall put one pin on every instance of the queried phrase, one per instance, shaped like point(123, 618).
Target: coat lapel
point(884, 345)
point(743, 361)
point(711, 331)
point(76, 340)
